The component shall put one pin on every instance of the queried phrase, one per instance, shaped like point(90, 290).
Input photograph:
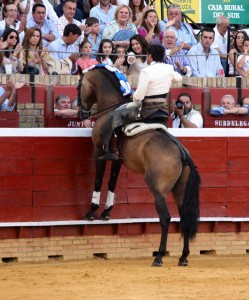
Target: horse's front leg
point(100, 166)
point(185, 252)
point(164, 218)
point(115, 169)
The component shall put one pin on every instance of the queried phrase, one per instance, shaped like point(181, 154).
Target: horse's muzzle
point(83, 114)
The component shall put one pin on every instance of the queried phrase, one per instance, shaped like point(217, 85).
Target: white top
point(246, 63)
point(193, 116)
point(220, 41)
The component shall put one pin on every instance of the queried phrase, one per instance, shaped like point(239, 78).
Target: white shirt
point(156, 79)
point(193, 116)
point(220, 41)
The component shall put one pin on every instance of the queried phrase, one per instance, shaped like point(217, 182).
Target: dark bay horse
point(167, 167)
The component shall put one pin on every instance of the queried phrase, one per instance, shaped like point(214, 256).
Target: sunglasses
point(11, 37)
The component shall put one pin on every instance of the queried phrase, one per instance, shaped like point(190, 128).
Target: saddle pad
point(139, 127)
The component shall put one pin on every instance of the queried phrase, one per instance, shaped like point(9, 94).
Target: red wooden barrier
point(9, 119)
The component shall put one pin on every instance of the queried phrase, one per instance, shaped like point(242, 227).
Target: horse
point(170, 170)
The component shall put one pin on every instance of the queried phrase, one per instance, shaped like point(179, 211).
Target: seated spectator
point(10, 20)
point(228, 107)
point(21, 9)
point(107, 56)
point(85, 61)
point(49, 10)
point(33, 53)
point(120, 30)
point(69, 9)
point(184, 115)
point(92, 34)
point(121, 59)
point(184, 31)
point(63, 107)
point(233, 53)
point(8, 95)
point(59, 11)
point(38, 19)
point(12, 54)
point(64, 48)
point(104, 12)
point(204, 60)
point(243, 60)
point(150, 29)
point(137, 53)
point(174, 55)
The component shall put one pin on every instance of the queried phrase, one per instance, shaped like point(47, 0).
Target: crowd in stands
point(37, 33)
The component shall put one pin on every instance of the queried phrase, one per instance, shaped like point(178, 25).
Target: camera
point(179, 104)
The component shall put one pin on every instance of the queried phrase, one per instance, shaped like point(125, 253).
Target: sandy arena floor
point(206, 277)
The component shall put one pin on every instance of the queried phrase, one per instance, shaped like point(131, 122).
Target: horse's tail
point(189, 210)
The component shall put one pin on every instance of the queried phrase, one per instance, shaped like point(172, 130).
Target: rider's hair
point(156, 52)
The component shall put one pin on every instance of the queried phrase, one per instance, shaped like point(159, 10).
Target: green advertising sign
point(235, 10)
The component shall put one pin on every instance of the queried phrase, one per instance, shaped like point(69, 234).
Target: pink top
point(86, 63)
point(155, 40)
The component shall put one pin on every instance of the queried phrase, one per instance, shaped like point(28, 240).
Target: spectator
point(38, 19)
point(121, 59)
point(33, 54)
point(92, 34)
point(106, 54)
point(120, 30)
point(243, 60)
point(63, 107)
point(238, 49)
point(184, 115)
point(221, 40)
point(174, 55)
point(184, 32)
point(10, 20)
point(150, 29)
point(59, 11)
point(204, 60)
point(228, 107)
point(12, 54)
point(69, 9)
point(138, 8)
point(8, 95)
point(104, 12)
point(49, 12)
point(64, 47)
point(21, 9)
point(85, 61)
point(137, 53)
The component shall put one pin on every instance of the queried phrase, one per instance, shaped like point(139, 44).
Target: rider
point(152, 89)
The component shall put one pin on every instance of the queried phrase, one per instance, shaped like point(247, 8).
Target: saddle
point(140, 127)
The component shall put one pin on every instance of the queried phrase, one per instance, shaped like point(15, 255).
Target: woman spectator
point(12, 54)
point(85, 61)
point(138, 8)
point(150, 29)
point(237, 49)
point(122, 57)
point(34, 55)
point(137, 52)
point(242, 65)
point(120, 30)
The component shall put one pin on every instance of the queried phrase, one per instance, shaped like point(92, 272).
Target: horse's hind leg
point(115, 169)
point(100, 166)
point(164, 218)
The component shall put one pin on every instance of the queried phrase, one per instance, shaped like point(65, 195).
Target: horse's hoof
point(89, 216)
point(183, 262)
point(157, 263)
point(105, 216)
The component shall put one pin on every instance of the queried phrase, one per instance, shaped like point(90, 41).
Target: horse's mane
point(114, 81)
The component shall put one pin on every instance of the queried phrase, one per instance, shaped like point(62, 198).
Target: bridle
point(83, 113)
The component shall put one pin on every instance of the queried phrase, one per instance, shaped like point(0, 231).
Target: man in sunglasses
point(10, 20)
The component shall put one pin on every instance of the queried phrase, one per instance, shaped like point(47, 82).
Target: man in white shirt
point(221, 40)
point(184, 116)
